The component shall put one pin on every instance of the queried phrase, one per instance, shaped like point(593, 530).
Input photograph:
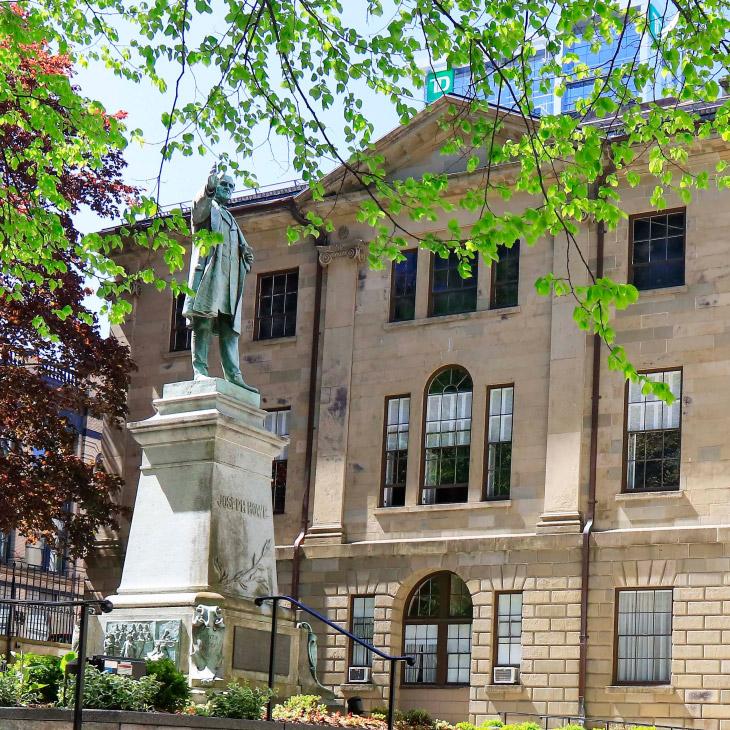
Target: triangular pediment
point(412, 149)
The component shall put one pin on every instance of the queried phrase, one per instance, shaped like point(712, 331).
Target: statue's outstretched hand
point(214, 177)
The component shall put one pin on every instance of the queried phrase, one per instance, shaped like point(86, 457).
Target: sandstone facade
point(531, 542)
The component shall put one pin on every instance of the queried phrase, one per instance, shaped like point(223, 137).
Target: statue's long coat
point(206, 276)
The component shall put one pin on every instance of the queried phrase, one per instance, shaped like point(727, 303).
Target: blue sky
point(183, 176)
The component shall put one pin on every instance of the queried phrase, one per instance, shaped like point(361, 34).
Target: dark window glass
point(616, 56)
point(657, 250)
point(180, 334)
point(6, 546)
point(508, 642)
point(450, 293)
point(397, 417)
point(278, 422)
point(644, 636)
point(499, 442)
point(653, 436)
point(363, 626)
point(276, 308)
point(505, 277)
point(438, 631)
point(403, 305)
point(447, 438)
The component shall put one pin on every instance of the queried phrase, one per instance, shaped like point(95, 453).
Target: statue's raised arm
point(217, 279)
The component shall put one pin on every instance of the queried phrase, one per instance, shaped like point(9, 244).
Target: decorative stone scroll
point(349, 250)
point(207, 644)
point(143, 639)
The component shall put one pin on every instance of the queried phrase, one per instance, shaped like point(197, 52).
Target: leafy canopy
point(298, 69)
point(55, 366)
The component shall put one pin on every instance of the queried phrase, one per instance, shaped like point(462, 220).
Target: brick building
point(446, 436)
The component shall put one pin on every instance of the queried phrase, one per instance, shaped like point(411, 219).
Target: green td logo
point(439, 83)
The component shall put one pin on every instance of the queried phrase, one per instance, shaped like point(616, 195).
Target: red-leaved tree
point(54, 363)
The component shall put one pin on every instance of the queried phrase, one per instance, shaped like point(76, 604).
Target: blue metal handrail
point(410, 660)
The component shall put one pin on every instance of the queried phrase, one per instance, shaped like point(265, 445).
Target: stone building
point(447, 436)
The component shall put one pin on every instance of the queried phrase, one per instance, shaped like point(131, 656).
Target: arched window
point(447, 437)
point(438, 631)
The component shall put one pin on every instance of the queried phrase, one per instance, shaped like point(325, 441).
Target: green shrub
point(465, 726)
point(103, 691)
point(239, 701)
point(492, 722)
point(42, 673)
point(14, 692)
point(417, 718)
point(174, 693)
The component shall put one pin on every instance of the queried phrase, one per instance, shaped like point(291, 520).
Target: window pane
point(276, 308)
point(654, 436)
point(509, 629)
point(505, 277)
point(450, 293)
point(421, 641)
point(499, 443)
point(278, 422)
point(644, 632)
point(404, 275)
point(363, 624)
point(180, 334)
point(657, 255)
point(447, 438)
point(396, 451)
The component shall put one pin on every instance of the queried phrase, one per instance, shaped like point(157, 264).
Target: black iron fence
point(41, 622)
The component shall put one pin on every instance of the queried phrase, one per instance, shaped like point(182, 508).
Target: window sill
point(668, 291)
point(420, 508)
point(176, 354)
point(512, 688)
point(618, 689)
point(354, 687)
point(504, 313)
point(649, 496)
point(291, 339)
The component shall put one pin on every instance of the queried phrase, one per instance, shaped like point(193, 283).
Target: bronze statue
point(217, 279)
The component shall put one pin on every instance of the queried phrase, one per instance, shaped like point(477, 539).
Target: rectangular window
point(180, 334)
point(363, 626)
point(278, 422)
point(617, 56)
point(505, 278)
point(276, 305)
point(395, 447)
point(657, 250)
point(450, 293)
point(6, 547)
point(458, 653)
point(422, 643)
point(403, 287)
point(644, 636)
point(653, 436)
point(447, 440)
point(508, 641)
point(499, 442)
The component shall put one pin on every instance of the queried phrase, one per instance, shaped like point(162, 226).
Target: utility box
point(123, 666)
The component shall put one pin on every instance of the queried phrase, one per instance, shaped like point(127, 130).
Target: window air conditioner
point(358, 674)
point(506, 675)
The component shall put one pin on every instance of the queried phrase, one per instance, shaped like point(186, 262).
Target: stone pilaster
point(341, 262)
point(567, 385)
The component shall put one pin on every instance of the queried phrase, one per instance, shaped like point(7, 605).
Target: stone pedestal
point(201, 544)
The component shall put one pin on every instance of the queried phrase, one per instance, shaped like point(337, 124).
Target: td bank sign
point(439, 83)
